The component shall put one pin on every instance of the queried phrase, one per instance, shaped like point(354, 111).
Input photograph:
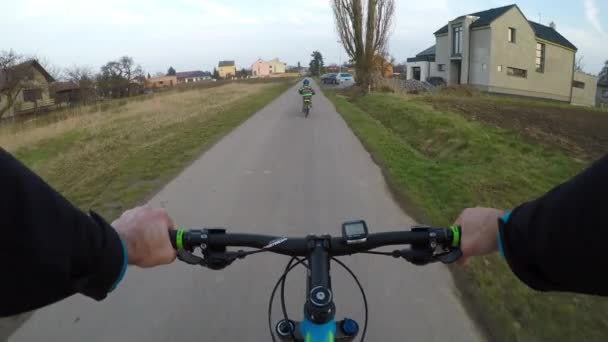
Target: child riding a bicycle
point(307, 92)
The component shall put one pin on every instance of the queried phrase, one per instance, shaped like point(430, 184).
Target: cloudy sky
point(195, 34)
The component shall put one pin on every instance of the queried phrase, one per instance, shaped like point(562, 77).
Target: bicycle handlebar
point(337, 246)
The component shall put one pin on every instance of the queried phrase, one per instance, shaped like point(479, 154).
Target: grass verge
point(110, 160)
point(441, 162)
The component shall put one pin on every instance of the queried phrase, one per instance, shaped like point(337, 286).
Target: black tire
point(306, 110)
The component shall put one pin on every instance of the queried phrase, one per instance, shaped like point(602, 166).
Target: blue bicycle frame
point(312, 332)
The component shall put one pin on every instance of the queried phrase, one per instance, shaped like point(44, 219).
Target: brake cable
point(274, 291)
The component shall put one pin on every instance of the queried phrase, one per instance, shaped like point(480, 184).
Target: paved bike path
point(278, 173)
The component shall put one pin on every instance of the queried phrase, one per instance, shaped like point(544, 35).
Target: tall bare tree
point(364, 28)
point(84, 78)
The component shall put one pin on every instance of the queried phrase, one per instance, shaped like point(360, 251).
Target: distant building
point(423, 65)
point(192, 76)
point(226, 69)
point(71, 93)
point(27, 85)
point(276, 66)
point(260, 68)
point(160, 82)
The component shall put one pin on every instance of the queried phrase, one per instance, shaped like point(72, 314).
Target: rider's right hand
point(479, 231)
point(144, 232)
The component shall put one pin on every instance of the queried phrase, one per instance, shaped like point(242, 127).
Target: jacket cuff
point(111, 261)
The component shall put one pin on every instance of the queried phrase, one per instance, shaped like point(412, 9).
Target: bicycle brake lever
point(421, 257)
point(449, 257)
point(190, 258)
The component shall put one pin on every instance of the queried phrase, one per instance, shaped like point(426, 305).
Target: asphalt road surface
point(278, 173)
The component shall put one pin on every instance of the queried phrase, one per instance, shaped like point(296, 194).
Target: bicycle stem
point(319, 307)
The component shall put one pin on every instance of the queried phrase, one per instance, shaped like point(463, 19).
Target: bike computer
point(354, 231)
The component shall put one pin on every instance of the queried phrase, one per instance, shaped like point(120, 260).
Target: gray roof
point(541, 31)
point(425, 55)
point(485, 17)
point(551, 35)
point(226, 63)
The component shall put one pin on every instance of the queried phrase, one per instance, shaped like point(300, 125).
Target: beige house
point(276, 66)
point(499, 50)
point(262, 68)
point(160, 82)
point(24, 88)
point(226, 69)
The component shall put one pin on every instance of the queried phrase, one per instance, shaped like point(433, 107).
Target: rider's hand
point(144, 230)
point(479, 231)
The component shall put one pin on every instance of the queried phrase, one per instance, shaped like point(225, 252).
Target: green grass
point(113, 159)
point(440, 163)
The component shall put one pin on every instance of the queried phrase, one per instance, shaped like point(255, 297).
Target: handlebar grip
point(456, 236)
point(176, 237)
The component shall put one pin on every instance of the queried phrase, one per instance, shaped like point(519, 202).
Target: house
point(260, 68)
point(276, 66)
point(71, 93)
point(499, 50)
point(423, 66)
point(24, 88)
point(192, 76)
point(226, 69)
point(584, 89)
point(160, 82)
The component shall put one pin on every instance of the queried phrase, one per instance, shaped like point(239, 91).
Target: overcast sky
point(195, 34)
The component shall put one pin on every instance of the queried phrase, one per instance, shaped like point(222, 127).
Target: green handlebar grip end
point(179, 242)
point(456, 233)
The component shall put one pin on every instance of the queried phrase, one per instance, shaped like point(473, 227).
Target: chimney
point(552, 25)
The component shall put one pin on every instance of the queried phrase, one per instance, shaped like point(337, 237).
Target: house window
point(499, 68)
point(540, 57)
point(440, 67)
point(517, 72)
point(32, 95)
point(605, 94)
point(457, 41)
point(578, 84)
point(512, 33)
point(161, 82)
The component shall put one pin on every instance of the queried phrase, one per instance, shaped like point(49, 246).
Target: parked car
point(329, 78)
point(344, 77)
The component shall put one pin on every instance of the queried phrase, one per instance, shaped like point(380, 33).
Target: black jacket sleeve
point(49, 249)
point(558, 241)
